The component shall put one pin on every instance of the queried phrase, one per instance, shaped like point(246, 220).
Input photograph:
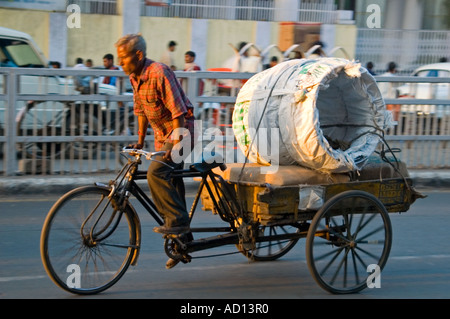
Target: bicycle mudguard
point(136, 221)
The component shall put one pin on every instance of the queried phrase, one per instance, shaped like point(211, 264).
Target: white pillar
point(286, 10)
point(57, 40)
point(130, 11)
point(394, 14)
point(412, 16)
point(262, 37)
point(199, 41)
point(412, 20)
point(328, 35)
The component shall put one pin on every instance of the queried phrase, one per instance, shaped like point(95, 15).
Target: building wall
point(94, 39)
point(35, 23)
point(210, 39)
point(346, 38)
point(342, 36)
point(157, 32)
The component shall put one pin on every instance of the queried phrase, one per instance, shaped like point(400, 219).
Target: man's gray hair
point(133, 43)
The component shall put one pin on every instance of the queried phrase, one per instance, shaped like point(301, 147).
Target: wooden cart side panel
point(268, 204)
point(279, 204)
point(395, 194)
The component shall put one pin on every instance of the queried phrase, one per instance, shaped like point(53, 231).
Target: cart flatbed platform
point(287, 194)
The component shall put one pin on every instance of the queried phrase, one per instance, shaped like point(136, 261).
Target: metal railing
point(53, 129)
point(422, 133)
point(323, 11)
point(96, 6)
point(47, 124)
point(408, 48)
point(318, 12)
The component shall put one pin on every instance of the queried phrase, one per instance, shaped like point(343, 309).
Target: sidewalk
point(15, 185)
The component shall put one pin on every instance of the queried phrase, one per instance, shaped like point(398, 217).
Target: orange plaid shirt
point(158, 96)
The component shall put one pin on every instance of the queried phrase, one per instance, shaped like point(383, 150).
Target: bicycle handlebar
point(135, 151)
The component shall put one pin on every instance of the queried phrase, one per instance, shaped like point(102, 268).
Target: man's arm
point(178, 122)
point(177, 134)
point(142, 131)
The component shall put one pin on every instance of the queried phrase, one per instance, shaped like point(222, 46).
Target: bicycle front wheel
point(86, 243)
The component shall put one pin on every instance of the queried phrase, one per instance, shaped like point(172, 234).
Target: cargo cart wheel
point(349, 240)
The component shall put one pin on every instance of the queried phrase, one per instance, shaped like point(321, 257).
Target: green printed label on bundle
point(239, 125)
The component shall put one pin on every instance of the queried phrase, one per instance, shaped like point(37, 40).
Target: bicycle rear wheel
point(87, 244)
point(274, 248)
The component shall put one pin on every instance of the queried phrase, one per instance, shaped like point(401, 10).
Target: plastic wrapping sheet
point(311, 197)
point(326, 114)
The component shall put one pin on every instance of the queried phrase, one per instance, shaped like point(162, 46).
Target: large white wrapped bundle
point(326, 114)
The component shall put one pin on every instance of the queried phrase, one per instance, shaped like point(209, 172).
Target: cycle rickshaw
point(344, 219)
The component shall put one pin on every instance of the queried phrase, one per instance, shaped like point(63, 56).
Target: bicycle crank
point(175, 247)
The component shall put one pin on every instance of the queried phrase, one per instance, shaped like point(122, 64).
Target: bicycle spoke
point(331, 262)
point(368, 253)
point(355, 266)
point(373, 232)
point(118, 245)
point(272, 248)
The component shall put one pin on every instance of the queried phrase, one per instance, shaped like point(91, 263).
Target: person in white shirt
point(168, 56)
point(388, 90)
point(79, 64)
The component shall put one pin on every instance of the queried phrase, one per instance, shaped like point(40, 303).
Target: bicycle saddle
point(208, 162)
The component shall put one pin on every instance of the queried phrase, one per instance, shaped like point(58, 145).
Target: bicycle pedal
point(171, 236)
point(184, 237)
point(186, 259)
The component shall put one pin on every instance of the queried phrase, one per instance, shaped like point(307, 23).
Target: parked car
point(425, 119)
point(439, 91)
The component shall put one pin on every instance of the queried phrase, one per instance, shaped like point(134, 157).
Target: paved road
point(417, 267)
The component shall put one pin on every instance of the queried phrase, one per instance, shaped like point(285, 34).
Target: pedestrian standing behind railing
point(189, 66)
point(388, 90)
point(168, 56)
point(82, 83)
point(108, 63)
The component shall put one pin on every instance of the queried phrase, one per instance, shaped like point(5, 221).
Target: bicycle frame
point(125, 185)
point(131, 175)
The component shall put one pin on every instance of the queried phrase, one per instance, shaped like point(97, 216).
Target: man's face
point(188, 58)
point(130, 62)
point(107, 63)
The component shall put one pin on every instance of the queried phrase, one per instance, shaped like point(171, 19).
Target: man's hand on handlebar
point(136, 146)
point(147, 154)
point(168, 155)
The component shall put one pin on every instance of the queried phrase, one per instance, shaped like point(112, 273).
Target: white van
point(18, 49)
point(440, 91)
